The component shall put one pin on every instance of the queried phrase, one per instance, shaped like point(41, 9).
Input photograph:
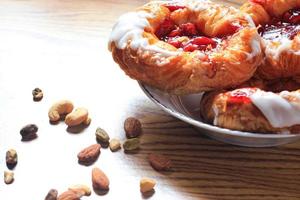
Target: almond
point(69, 195)
point(159, 162)
point(99, 179)
point(89, 155)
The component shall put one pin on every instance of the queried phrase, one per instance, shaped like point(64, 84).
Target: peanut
point(147, 184)
point(58, 109)
point(76, 117)
point(114, 144)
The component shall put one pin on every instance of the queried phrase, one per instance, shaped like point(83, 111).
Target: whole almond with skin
point(132, 127)
point(99, 179)
point(159, 162)
point(89, 154)
point(69, 195)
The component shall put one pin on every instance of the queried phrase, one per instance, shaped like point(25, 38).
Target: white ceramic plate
point(187, 108)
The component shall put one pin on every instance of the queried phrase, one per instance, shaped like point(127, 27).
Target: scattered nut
point(59, 109)
point(159, 162)
point(99, 179)
point(147, 184)
point(69, 195)
point(132, 127)
point(51, 195)
point(114, 144)
point(37, 94)
point(8, 177)
point(131, 144)
point(28, 132)
point(102, 136)
point(11, 158)
point(87, 122)
point(76, 117)
point(81, 190)
point(89, 154)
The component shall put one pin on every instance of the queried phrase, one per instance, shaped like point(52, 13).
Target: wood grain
point(61, 46)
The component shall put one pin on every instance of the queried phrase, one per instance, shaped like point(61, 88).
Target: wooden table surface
point(61, 47)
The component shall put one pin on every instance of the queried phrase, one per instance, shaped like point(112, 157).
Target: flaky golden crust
point(231, 63)
point(217, 108)
point(281, 59)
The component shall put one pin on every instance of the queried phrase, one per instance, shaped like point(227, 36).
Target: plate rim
point(210, 127)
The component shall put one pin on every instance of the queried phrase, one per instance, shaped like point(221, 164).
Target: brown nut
point(69, 195)
point(28, 132)
point(51, 195)
point(147, 184)
point(11, 158)
point(132, 127)
point(89, 155)
point(114, 144)
point(99, 179)
point(58, 109)
point(160, 162)
point(81, 190)
point(8, 177)
point(76, 117)
point(37, 94)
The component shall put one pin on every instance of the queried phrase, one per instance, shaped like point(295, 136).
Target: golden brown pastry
point(278, 23)
point(187, 46)
point(254, 110)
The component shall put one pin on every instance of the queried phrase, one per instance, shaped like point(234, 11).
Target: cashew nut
point(78, 116)
point(60, 108)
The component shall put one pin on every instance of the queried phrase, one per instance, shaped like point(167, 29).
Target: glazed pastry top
point(140, 29)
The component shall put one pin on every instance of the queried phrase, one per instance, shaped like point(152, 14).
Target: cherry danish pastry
point(186, 46)
point(278, 23)
point(254, 110)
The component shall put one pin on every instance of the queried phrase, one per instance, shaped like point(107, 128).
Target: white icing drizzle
point(129, 29)
point(277, 109)
point(285, 44)
point(256, 48)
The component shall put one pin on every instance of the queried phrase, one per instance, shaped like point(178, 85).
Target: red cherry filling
point(287, 26)
point(171, 33)
point(240, 96)
point(165, 28)
point(172, 8)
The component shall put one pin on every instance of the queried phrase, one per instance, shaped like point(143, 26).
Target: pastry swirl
point(186, 47)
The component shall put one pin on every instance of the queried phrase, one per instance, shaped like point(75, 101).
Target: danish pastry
point(253, 110)
point(186, 46)
point(278, 23)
